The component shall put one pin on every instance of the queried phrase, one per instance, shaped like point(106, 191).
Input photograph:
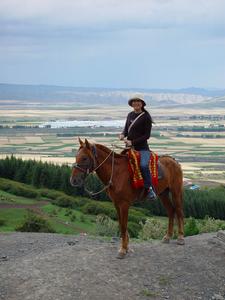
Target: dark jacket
point(140, 132)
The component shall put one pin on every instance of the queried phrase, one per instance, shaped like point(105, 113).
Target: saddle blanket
point(134, 158)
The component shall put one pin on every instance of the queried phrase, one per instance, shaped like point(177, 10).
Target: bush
point(96, 208)
point(105, 226)
point(82, 218)
point(66, 201)
point(136, 216)
point(134, 229)
point(50, 194)
point(68, 212)
point(2, 222)
point(18, 188)
point(210, 225)
point(34, 223)
point(73, 217)
point(152, 229)
point(191, 227)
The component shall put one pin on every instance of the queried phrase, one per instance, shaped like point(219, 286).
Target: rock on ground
point(51, 266)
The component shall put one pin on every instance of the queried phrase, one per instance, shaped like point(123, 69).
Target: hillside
point(50, 266)
point(46, 94)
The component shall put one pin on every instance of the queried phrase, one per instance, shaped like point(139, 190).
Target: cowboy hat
point(136, 97)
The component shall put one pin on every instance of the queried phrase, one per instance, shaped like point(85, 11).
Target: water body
point(76, 123)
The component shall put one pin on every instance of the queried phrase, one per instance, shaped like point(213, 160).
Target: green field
point(196, 139)
point(81, 214)
point(13, 210)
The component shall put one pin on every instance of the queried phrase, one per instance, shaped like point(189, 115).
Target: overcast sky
point(113, 43)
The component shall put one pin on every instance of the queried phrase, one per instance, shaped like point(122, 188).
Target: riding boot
point(151, 195)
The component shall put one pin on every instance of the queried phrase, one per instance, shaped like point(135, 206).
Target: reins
point(91, 193)
point(88, 171)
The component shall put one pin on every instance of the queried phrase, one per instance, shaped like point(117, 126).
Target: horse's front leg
point(124, 207)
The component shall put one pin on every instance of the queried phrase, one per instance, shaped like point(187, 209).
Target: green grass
point(10, 198)
point(60, 213)
point(12, 217)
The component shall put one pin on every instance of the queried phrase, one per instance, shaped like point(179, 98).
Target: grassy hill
point(26, 208)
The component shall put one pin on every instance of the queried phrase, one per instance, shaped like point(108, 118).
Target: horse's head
point(85, 163)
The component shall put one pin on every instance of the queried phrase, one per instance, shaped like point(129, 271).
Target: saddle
point(155, 168)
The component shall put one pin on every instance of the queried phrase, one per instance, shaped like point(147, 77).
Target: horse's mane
point(107, 150)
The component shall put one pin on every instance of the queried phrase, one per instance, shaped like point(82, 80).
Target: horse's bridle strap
point(76, 166)
point(88, 171)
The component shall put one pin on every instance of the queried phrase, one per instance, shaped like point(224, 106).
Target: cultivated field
point(196, 138)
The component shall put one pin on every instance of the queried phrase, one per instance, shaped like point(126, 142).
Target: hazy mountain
point(60, 94)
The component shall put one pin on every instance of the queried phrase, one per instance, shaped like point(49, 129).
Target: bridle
point(90, 169)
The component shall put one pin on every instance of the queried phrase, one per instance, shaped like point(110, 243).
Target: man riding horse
point(135, 134)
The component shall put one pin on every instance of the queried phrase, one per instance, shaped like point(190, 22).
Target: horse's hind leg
point(164, 197)
point(178, 202)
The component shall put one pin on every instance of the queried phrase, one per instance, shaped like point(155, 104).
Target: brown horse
point(112, 170)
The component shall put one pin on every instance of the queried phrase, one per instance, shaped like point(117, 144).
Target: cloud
point(111, 14)
point(108, 42)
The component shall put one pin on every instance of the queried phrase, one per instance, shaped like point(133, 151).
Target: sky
point(113, 43)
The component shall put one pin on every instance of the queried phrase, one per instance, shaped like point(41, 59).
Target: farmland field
point(195, 138)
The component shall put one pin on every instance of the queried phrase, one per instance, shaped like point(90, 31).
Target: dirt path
point(22, 205)
point(50, 266)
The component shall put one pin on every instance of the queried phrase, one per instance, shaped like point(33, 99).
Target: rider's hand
point(128, 143)
point(121, 137)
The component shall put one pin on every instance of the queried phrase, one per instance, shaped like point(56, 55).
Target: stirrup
point(151, 195)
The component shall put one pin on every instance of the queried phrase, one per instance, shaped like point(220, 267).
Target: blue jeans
point(144, 165)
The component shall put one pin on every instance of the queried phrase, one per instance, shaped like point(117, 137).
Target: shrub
point(210, 225)
point(96, 208)
point(34, 223)
point(66, 201)
point(105, 226)
point(2, 222)
point(152, 229)
point(18, 189)
point(82, 218)
point(50, 194)
point(73, 217)
point(134, 229)
point(54, 212)
point(68, 212)
point(191, 227)
point(136, 216)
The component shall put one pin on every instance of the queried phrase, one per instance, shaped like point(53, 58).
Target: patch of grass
point(12, 217)
point(148, 293)
point(164, 280)
point(6, 197)
point(81, 221)
point(35, 223)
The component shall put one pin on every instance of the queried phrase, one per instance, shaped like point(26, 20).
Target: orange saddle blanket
point(134, 158)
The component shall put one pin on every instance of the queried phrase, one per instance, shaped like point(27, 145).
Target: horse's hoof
point(165, 240)
point(180, 241)
point(130, 250)
point(121, 255)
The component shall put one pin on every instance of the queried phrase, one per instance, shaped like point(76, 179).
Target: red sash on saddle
point(134, 158)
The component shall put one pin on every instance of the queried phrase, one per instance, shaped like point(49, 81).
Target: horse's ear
point(87, 144)
point(81, 142)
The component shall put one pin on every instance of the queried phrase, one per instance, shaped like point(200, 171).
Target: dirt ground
point(52, 266)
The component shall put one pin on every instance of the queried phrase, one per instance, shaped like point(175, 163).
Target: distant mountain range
point(49, 94)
